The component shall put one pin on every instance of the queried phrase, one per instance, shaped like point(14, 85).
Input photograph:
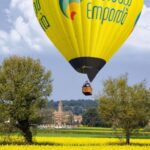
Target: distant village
point(62, 119)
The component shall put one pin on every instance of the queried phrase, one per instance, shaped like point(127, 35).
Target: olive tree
point(25, 86)
point(124, 106)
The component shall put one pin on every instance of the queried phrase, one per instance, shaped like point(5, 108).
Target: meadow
point(67, 139)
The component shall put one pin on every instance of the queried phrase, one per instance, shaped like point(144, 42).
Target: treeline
point(78, 107)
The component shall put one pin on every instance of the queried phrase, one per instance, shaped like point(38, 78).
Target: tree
point(125, 106)
point(25, 86)
point(91, 118)
point(47, 113)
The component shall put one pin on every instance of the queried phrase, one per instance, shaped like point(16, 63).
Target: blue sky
point(20, 34)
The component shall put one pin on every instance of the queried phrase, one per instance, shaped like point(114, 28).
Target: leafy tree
point(125, 106)
point(24, 88)
point(91, 118)
point(47, 116)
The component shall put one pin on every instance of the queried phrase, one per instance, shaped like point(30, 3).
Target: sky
point(20, 34)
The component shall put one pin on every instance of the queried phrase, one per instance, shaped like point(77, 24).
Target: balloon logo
point(69, 7)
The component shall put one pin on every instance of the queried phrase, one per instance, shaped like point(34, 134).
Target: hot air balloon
point(88, 32)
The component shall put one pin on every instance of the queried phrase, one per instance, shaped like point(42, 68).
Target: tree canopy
point(25, 86)
point(91, 118)
point(125, 106)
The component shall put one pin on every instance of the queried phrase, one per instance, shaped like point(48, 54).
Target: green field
point(89, 132)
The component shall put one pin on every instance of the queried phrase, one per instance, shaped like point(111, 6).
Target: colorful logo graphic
point(70, 7)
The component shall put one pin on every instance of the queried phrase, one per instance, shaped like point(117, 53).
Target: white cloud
point(25, 29)
point(5, 50)
point(15, 37)
point(3, 35)
point(14, 3)
point(141, 35)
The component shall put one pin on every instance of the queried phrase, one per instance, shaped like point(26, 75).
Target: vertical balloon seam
point(127, 32)
point(44, 11)
point(77, 27)
point(117, 37)
point(70, 41)
point(73, 45)
point(106, 51)
point(122, 39)
point(94, 39)
point(101, 37)
point(56, 21)
point(88, 35)
point(68, 33)
point(116, 31)
point(99, 41)
point(138, 9)
point(89, 38)
point(114, 50)
point(70, 23)
point(81, 34)
point(62, 22)
point(76, 40)
point(92, 32)
point(83, 26)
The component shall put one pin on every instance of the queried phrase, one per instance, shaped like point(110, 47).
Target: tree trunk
point(127, 137)
point(24, 126)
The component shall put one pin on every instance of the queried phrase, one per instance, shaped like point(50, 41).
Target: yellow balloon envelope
point(88, 32)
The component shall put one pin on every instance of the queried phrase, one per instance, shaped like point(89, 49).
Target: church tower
point(60, 107)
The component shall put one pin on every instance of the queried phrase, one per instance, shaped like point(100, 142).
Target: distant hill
point(76, 106)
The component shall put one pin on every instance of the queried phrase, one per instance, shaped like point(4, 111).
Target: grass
point(89, 132)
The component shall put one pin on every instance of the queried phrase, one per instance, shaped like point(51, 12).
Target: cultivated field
point(68, 140)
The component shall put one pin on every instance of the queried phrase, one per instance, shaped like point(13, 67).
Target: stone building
point(77, 119)
point(62, 118)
